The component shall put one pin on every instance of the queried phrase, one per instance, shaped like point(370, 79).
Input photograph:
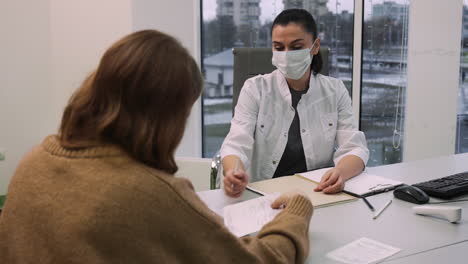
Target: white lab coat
point(263, 115)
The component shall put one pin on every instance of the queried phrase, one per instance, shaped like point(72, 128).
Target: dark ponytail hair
point(307, 22)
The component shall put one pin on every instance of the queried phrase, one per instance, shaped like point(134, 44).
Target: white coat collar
point(284, 88)
point(283, 85)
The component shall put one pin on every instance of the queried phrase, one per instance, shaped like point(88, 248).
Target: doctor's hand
point(235, 182)
point(331, 182)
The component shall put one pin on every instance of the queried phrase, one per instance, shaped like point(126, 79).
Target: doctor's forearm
point(350, 166)
point(229, 163)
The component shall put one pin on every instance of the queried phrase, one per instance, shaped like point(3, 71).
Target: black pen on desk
point(368, 203)
point(363, 198)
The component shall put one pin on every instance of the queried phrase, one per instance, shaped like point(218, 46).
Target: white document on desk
point(217, 199)
point(361, 184)
point(250, 216)
point(363, 251)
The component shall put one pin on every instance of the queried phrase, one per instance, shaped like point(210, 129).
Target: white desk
point(335, 226)
point(451, 254)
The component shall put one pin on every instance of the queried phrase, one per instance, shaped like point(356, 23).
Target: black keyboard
point(446, 187)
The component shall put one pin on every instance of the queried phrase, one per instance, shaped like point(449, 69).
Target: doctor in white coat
point(293, 119)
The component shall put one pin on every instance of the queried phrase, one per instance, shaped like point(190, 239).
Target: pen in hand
point(236, 169)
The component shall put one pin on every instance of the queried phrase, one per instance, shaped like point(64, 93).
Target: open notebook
point(289, 183)
point(364, 184)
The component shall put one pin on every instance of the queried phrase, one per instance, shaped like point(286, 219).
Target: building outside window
point(461, 145)
point(383, 89)
point(247, 23)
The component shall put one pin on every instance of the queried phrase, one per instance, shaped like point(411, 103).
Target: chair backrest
point(2, 201)
point(249, 62)
point(197, 170)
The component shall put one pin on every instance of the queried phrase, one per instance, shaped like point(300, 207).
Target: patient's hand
point(283, 200)
point(235, 182)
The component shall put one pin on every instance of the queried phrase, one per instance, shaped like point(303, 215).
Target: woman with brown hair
point(103, 190)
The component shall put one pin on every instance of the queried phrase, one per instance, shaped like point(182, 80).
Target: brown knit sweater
point(98, 205)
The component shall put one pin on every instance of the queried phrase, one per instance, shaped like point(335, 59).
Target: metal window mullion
point(357, 60)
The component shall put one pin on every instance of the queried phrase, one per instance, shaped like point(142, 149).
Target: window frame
point(413, 128)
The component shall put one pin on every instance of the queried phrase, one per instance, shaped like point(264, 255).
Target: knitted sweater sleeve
point(283, 240)
point(162, 220)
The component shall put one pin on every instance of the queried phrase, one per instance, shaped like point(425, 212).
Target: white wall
point(181, 19)
point(25, 94)
point(49, 46)
point(433, 76)
point(81, 31)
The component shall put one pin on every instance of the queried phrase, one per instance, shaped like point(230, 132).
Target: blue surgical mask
point(293, 64)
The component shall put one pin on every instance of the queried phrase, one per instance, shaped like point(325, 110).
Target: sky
point(270, 8)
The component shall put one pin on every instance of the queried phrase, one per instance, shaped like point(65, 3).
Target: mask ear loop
point(311, 53)
point(313, 45)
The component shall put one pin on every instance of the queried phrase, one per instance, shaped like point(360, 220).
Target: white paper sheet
point(361, 184)
point(250, 216)
point(315, 175)
point(363, 251)
point(217, 199)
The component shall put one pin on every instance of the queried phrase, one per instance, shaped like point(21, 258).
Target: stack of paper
point(241, 218)
point(290, 183)
point(217, 199)
point(363, 251)
point(363, 184)
point(250, 216)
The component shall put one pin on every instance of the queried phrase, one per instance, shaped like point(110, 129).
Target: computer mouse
point(411, 194)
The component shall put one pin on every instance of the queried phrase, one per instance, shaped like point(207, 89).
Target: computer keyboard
point(446, 187)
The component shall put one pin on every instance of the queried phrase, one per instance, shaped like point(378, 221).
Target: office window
point(462, 111)
point(247, 23)
point(385, 38)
